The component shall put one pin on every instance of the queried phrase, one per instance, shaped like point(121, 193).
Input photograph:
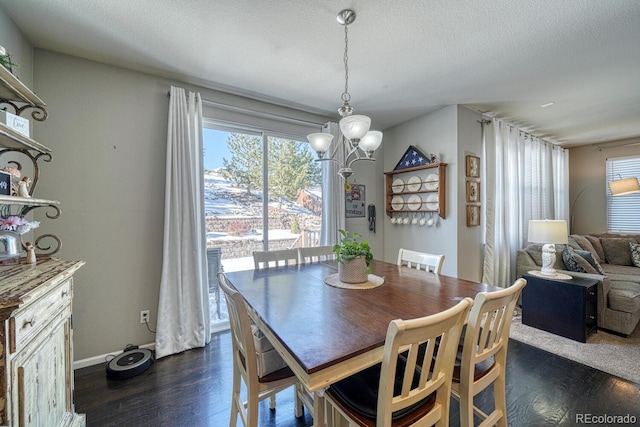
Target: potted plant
point(354, 258)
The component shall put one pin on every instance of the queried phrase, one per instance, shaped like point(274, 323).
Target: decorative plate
point(431, 183)
point(415, 202)
point(432, 202)
point(397, 203)
point(414, 183)
point(397, 185)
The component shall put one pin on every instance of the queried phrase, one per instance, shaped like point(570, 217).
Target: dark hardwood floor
point(194, 389)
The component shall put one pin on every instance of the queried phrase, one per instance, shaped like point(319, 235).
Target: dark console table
point(562, 307)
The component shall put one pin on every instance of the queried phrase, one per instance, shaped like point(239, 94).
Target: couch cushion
point(577, 241)
point(635, 253)
point(597, 246)
point(616, 250)
point(574, 262)
point(624, 296)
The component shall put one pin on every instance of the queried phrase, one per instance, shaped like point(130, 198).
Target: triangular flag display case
point(411, 158)
point(416, 185)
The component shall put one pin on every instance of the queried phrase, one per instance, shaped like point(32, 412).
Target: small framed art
point(473, 216)
point(473, 191)
point(473, 167)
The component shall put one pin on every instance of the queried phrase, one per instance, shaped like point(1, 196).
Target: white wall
point(587, 184)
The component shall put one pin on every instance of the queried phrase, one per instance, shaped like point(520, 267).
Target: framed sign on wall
point(354, 201)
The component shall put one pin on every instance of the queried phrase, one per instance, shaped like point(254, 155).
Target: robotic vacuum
point(129, 364)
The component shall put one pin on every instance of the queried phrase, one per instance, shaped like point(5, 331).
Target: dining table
point(326, 333)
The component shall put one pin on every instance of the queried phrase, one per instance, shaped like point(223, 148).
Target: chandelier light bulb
point(355, 127)
point(370, 142)
point(320, 142)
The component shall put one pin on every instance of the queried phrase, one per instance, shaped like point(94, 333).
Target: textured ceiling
point(406, 58)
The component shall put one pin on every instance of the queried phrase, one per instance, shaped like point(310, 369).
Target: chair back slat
point(420, 260)
point(316, 254)
point(284, 257)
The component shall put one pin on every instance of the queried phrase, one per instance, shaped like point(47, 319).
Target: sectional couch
point(606, 257)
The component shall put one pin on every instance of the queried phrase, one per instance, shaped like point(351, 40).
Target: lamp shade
point(320, 142)
point(624, 186)
point(548, 231)
point(370, 141)
point(355, 127)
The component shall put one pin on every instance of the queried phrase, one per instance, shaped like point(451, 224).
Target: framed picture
point(473, 191)
point(473, 167)
point(354, 200)
point(473, 216)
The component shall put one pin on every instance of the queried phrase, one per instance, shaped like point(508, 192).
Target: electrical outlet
point(144, 316)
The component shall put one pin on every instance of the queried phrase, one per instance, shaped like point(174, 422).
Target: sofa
point(613, 259)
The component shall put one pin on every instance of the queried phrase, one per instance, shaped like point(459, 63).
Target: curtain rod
point(257, 113)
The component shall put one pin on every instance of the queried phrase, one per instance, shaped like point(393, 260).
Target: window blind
point(623, 212)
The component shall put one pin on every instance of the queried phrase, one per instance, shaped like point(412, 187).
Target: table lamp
point(548, 232)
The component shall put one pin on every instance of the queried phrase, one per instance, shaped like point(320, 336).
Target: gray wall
point(107, 130)
point(18, 47)
point(451, 133)
point(587, 184)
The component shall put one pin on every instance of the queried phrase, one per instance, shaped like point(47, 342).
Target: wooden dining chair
point(403, 389)
point(263, 259)
point(483, 356)
point(316, 254)
point(245, 366)
point(420, 260)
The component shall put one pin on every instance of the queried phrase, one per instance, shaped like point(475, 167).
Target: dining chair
point(402, 389)
point(245, 366)
point(316, 254)
point(420, 260)
point(482, 360)
point(263, 259)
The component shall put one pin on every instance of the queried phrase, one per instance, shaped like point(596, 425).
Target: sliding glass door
point(262, 192)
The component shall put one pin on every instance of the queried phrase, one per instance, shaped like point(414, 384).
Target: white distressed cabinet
point(36, 330)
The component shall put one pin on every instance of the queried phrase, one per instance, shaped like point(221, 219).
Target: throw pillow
point(574, 262)
point(616, 250)
point(590, 258)
point(635, 253)
point(579, 242)
point(597, 245)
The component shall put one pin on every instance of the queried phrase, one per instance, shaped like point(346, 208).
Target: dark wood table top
point(320, 326)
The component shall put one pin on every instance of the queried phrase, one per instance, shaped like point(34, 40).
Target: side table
point(563, 307)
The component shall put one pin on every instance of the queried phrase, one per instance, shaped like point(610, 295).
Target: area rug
point(605, 351)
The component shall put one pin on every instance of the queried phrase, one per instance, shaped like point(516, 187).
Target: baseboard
point(102, 358)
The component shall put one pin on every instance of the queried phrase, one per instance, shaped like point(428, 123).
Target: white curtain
point(333, 216)
point(183, 309)
point(531, 181)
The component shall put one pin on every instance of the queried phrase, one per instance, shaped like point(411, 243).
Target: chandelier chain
point(345, 95)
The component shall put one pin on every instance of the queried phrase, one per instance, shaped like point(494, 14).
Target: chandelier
point(357, 142)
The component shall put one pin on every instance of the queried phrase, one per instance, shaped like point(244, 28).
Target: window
point(623, 212)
